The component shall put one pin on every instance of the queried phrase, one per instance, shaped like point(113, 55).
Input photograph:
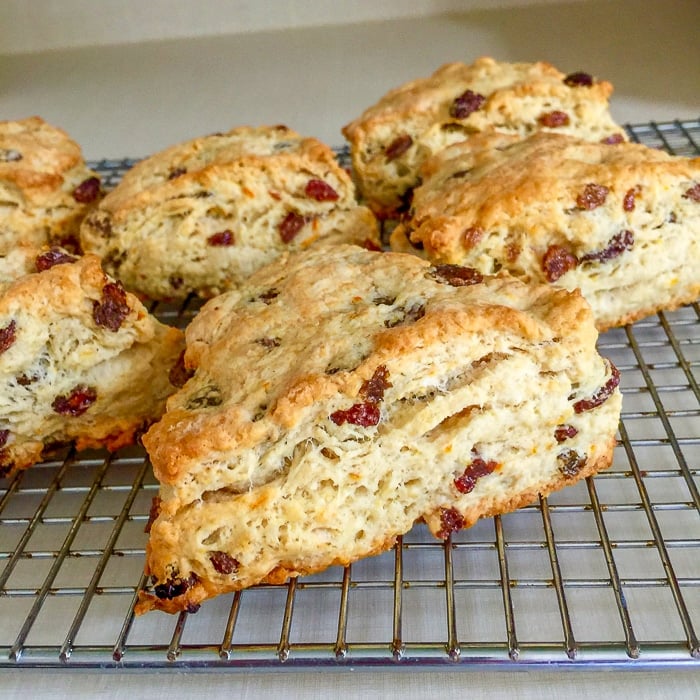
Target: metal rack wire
point(604, 573)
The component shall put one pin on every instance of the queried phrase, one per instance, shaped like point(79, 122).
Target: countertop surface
point(132, 100)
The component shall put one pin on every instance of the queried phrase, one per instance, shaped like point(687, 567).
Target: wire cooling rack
point(603, 573)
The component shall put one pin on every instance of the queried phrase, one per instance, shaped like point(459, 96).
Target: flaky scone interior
point(342, 395)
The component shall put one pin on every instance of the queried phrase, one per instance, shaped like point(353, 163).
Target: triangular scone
point(620, 222)
point(393, 137)
point(342, 395)
point(81, 360)
point(46, 188)
point(203, 215)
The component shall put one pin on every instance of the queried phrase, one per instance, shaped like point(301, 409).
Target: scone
point(391, 139)
point(81, 361)
point(46, 189)
point(620, 222)
point(339, 396)
point(202, 216)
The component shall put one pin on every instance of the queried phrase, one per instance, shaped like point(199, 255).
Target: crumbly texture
point(202, 216)
point(81, 361)
point(620, 222)
point(339, 396)
point(46, 189)
point(392, 138)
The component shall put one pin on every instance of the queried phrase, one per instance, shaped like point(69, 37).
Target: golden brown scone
point(46, 189)
point(392, 138)
point(620, 222)
point(341, 395)
point(202, 216)
point(81, 361)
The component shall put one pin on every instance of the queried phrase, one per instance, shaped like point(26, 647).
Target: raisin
point(570, 463)
point(602, 395)
point(592, 196)
point(373, 389)
point(9, 155)
point(398, 147)
point(291, 225)
point(407, 315)
point(8, 335)
point(456, 275)
point(472, 236)
point(268, 296)
point(4, 434)
point(175, 281)
point(451, 520)
point(320, 191)
point(222, 238)
point(693, 193)
point(111, 311)
point(628, 201)
point(579, 79)
point(6, 463)
point(223, 563)
point(55, 256)
point(553, 119)
point(613, 139)
point(179, 374)
point(369, 244)
point(174, 587)
point(152, 513)
point(362, 414)
point(616, 246)
point(102, 223)
point(465, 104)
point(87, 191)
point(384, 300)
point(75, 403)
point(24, 380)
point(176, 172)
point(208, 397)
point(564, 432)
point(557, 261)
point(269, 342)
point(476, 469)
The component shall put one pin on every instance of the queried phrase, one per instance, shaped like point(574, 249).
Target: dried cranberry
point(570, 463)
point(87, 191)
point(76, 403)
point(174, 587)
point(373, 389)
point(693, 193)
point(564, 432)
point(291, 225)
point(476, 469)
point(554, 119)
point(628, 201)
point(465, 104)
point(616, 246)
point(369, 244)
point(398, 147)
point(222, 238)
point(8, 335)
point(223, 563)
point(451, 520)
point(472, 236)
point(152, 513)
point(579, 79)
point(113, 308)
point(6, 463)
point(176, 172)
point(592, 196)
point(613, 139)
point(4, 434)
point(557, 261)
point(179, 374)
point(602, 395)
point(320, 191)
point(362, 414)
point(55, 256)
point(456, 275)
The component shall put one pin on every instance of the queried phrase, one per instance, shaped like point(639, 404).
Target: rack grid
point(605, 573)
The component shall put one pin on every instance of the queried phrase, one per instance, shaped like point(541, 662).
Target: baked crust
point(81, 361)
point(339, 396)
point(203, 215)
point(393, 137)
point(620, 222)
point(46, 189)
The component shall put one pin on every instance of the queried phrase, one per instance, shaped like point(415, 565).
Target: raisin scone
point(620, 222)
point(204, 215)
point(391, 139)
point(81, 361)
point(339, 396)
point(46, 189)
